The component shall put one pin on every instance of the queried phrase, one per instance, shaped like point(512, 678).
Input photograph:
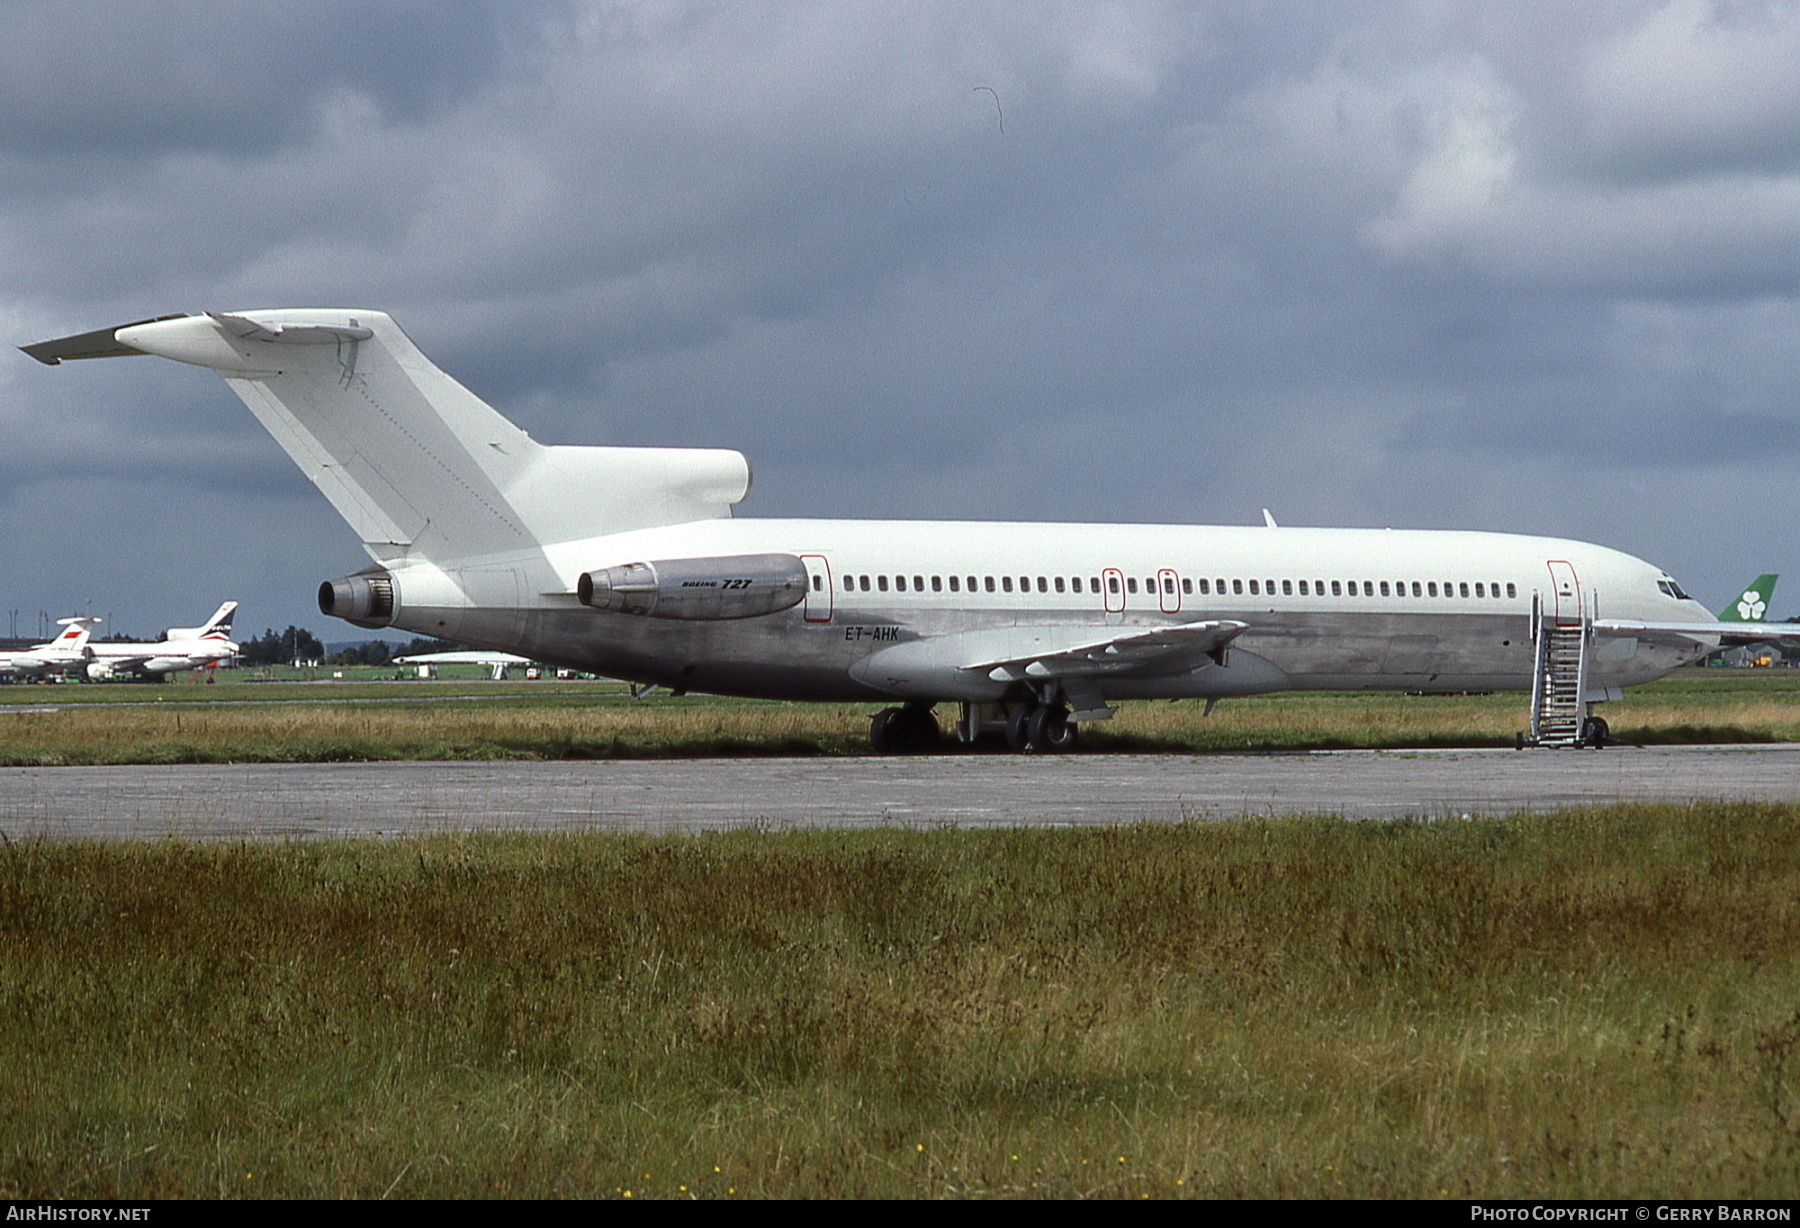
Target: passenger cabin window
point(1253, 591)
point(1006, 583)
point(1337, 589)
point(1044, 585)
point(954, 586)
point(1187, 586)
point(1205, 588)
point(989, 580)
point(1237, 587)
point(1418, 590)
point(863, 581)
point(937, 584)
point(1512, 590)
point(1287, 588)
point(1384, 588)
point(849, 584)
point(1131, 584)
point(899, 584)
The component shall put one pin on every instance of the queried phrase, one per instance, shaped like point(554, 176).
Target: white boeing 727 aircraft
point(626, 562)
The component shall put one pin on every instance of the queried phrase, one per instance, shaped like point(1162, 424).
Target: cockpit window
point(1672, 589)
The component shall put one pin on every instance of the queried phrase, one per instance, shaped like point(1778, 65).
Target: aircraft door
point(1112, 588)
point(818, 588)
point(1565, 592)
point(1169, 588)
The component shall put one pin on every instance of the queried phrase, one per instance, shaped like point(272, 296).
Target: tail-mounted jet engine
point(736, 586)
point(367, 601)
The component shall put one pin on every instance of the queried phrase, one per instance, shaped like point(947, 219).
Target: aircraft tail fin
point(417, 464)
point(75, 633)
point(219, 626)
point(1752, 604)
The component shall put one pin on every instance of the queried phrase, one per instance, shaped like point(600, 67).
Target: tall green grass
point(1595, 1003)
point(569, 722)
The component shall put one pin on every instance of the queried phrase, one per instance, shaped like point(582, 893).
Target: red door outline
point(1565, 591)
point(1112, 590)
point(818, 588)
point(1168, 588)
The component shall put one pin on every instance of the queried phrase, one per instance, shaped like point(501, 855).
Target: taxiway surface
point(309, 801)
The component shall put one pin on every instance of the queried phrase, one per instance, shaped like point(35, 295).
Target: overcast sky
point(1529, 267)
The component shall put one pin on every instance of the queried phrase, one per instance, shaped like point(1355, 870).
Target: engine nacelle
point(367, 601)
point(733, 586)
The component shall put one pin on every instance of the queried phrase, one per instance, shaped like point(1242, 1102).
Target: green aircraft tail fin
point(1751, 605)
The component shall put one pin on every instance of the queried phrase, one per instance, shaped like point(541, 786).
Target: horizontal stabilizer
point(417, 464)
point(101, 343)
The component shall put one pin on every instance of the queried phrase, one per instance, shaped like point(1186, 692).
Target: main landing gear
point(1031, 728)
point(911, 730)
point(1028, 727)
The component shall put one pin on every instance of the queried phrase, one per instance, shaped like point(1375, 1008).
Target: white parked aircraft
point(68, 650)
point(625, 562)
point(180, 648)
point(497, 662)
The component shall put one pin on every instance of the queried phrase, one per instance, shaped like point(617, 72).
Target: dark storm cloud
point(1368, 263)
point(99, 83)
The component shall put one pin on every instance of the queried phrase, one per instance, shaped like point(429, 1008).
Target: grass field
point(287, 722)
point(1597, 1003)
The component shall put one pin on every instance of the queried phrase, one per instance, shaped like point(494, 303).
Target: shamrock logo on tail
point(1750, 606)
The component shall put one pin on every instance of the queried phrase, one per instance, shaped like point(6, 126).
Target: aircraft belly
point(782, 656)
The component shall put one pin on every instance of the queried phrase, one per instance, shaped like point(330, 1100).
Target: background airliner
point(179, 649)
point(67, 651)
point(626, 562)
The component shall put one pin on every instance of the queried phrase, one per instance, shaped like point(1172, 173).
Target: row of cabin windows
point(956, 584)
point(1237, 588)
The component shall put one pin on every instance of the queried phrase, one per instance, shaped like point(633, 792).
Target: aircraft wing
point(1725, 632)
point(978, 665)
point(1084, 652)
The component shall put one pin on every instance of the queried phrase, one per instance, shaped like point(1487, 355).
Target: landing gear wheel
point(1050, 730)
point(882, 733)
point(903, 731)
point(1018, 731)
point(1595, 732)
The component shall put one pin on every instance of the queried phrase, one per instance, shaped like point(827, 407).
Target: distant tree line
point(285, 648)
point(298, 644)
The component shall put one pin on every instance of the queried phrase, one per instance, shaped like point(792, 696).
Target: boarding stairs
point(1559, 681)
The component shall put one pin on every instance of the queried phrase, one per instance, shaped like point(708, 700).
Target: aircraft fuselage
point(1326, 608)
